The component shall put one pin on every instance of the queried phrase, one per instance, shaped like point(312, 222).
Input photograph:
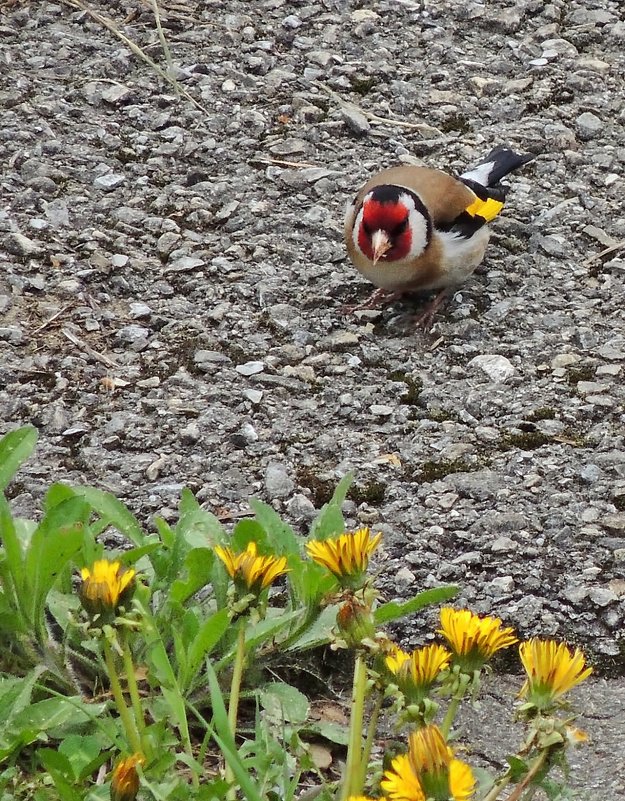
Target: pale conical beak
point(381, 244)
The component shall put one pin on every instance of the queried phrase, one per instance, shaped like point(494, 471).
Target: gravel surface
point(172, 282)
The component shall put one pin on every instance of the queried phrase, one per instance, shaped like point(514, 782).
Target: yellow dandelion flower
point(250, 570)
point(359, 798)
point(125, 779)
point(428, 771)
point(105, 586)
point(473, 639)
point(346, 556)
point(400, 782)
point(415, 673)
point(552, 670)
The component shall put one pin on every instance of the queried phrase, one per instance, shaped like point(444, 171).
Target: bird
point(415, 228)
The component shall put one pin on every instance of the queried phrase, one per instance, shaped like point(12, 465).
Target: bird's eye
point(398, 230)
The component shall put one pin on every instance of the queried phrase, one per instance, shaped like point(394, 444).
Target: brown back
point(444, 196)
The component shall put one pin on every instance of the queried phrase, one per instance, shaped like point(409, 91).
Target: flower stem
point(494, 791)
point(233, 704)
point(133, 691)
point(124, 713)
point(371, 732)
point(529, 776)
point(353, 780)
point(452, 709)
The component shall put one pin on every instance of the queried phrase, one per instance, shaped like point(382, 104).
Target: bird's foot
point(377, 300)
point(426, 318)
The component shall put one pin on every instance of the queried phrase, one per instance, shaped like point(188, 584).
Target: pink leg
point(426, 318)
point(377, 300)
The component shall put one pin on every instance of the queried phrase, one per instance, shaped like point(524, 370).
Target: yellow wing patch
point(488, 209)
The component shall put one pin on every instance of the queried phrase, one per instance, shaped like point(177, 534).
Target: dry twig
point(422, 127)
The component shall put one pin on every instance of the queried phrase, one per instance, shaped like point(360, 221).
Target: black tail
point(495, 166)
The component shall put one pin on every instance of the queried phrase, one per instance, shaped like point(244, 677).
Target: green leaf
point(200, 528)
point(15, 448)
point(284, 703)
point(518, 768)
point(54, 712)
point(163, 673)
point(112, 513)
point(393, 610)
point(247, 531)
point(224, 739)
point(209, 634)
point(310, 581)
point(13, 558)
point(334, 732)
point(15, 696)
point(55, 541)
point(281, 536)
point(198, 564)
point(83, 751)
point(330, 520)
point(59, 768)
point(56, 494)
point(319, 632)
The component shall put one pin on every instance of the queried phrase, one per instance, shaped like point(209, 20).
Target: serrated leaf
point(284, 703)
point(394, 610)
point(15, 448)
point(112, 513)
point(334, 732)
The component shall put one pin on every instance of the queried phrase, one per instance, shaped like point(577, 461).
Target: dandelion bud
point(355, 622)
point(125, 780)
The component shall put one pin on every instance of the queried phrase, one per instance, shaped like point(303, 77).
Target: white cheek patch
point(356, 228)
point(418, 228)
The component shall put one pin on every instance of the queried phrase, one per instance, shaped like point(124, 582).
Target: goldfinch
point(414, 228)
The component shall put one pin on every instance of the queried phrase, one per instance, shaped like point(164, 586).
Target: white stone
point(496, 367)
point(253, 395)
point(250, 368)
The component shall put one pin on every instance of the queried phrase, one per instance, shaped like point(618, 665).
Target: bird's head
point(392, 225)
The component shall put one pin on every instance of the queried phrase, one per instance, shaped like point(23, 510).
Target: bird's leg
point(377, 300)
point(426, 318)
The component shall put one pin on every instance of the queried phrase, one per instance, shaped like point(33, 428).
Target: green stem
point(352, 782)
point(124, 713)
point(133, 691)
point(233, 704)
point(452, 709)
point(371, 732)
point(494, 791)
